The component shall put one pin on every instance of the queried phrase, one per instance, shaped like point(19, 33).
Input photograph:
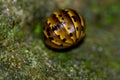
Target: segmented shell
point(63, 29)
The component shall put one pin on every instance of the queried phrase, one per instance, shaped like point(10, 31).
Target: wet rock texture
point(23, 55)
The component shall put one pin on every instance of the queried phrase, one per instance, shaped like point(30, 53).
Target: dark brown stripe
point(78, 18)
point(74, 18)
point(59, 25)
point(56, 27)
point(76, 15)
point(69, 17)
point(66, 12)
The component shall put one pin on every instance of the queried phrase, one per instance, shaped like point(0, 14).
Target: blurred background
point(23, 55)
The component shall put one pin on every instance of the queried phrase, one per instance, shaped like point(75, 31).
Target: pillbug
point(63, 29)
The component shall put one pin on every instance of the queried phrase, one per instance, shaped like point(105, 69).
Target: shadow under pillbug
point(63, 29)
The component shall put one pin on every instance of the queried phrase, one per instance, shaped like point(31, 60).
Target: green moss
point(38, 29)
point(24, 56)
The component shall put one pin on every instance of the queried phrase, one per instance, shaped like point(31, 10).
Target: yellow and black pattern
point(63, 29)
